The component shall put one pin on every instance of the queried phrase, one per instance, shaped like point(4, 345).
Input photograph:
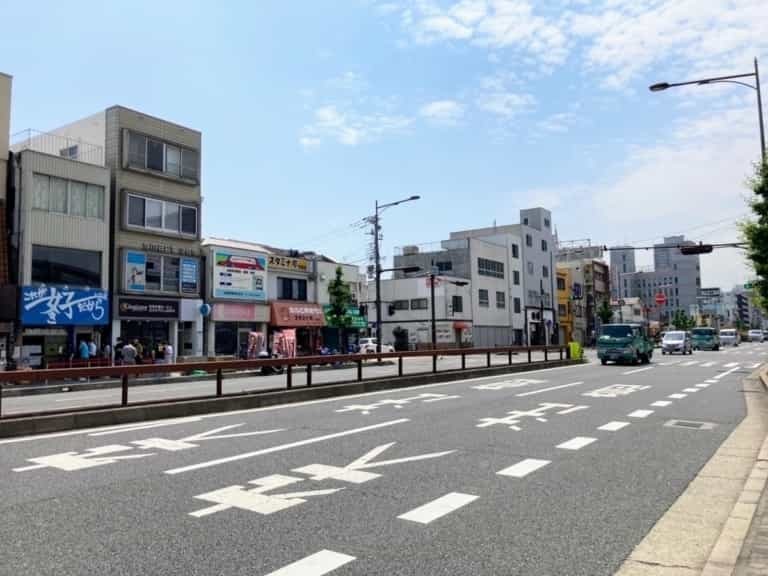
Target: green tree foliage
point(605, 313)
point(340, 298)
point(755, 233)
point(682, 321)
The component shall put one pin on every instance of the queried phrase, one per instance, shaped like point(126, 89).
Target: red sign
point(661, 299)
point(296, 315)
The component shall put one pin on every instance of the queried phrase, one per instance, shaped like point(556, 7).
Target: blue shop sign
point(62, 306)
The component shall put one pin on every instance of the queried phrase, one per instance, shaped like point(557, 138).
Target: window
point(419, 304)
point(624, 268)
point(400, 304)
point(530, 267)
point(137, 150)
point(136, 211)
point(66, 266)
point(154, 273)
point(545, 271)
point(543, 245)
point(170, 274)
point(516, 277)
point(69, 152)
point(525, 221)
point(155, 155)
point(516, 302)
point(528, 240)
point(445, 266)
point(482, 298)
point(189, 220)
point(501, 300)
point(292, 289)
point(160, 215)
point(546, 222)
point(561, 284)
point(189, 164)
point(94, 201)
point(77, 198)
point(153, 213)
point(58, 195)
point(171, 217)
point(490, 268)
point(457, 304)
point(561, 310)
point(515, 251)
point(173, 160)
point(675, 279)
point(40, 190)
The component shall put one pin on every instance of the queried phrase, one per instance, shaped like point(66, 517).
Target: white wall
point(491, 315)
point(326, 273)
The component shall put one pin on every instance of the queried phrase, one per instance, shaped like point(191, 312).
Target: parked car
point(624, 343)
point(755, 336)
point(368, 346)
point(729, 337)
point(677, 341)
point(705, 338)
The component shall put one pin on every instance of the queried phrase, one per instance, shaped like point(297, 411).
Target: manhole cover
point(690, 424)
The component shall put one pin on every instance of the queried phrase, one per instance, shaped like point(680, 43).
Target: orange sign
point(297, 314)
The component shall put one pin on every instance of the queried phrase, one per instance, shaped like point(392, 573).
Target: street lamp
point(730, 80)
point(377, 269)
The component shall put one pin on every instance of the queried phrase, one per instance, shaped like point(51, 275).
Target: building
point(622, 262)
point(631, 310)
point(710, 310)
point(739, 309)
point(591, 288)
point(156, 204)
point(8, 281)
point(565, 304)
point(407, 312)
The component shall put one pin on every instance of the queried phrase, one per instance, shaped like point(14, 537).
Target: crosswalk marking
point(431, 511)
point(703, 385)
point(523, 468)
point(640, 413)
point(317, 564)
point(662, 403)
point(576, 443)
point(613, 426)
point(690, 390)
point(677, 396)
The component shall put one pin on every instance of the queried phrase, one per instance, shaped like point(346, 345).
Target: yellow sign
point(289, 264)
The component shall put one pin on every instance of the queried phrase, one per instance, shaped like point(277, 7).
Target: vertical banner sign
point(189, 276)
point(135, 271)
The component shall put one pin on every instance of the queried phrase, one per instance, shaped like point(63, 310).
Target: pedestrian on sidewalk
point(169, 354)
point(129, 354)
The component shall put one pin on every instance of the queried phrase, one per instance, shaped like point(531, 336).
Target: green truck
point(624, 343)
point(705, 338)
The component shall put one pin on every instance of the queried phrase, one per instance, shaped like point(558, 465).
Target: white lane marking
point(86, 397)
point(711, 381)
point(724, 374)
point(282, 447)
point(661, 403)
point(576, 443)
point(615, 390)
point(677, 396)
point(755, 365)
point(670, 363)
point(636, 371)
point(574, 409)
point(91, 431)
point(708, 364)
point(531, 393)
point(523, 468)
point(690, 390)
point(640, 413)
point(613, 426)
point(317, 564)
point(690, 363)
point(702, 385)
point(731, 364)
point(431, 511)
point(144, 426)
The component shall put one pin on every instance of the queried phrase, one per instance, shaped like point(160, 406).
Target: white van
point(729, 337)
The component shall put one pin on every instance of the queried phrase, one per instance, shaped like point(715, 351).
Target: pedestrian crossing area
point(724, 364)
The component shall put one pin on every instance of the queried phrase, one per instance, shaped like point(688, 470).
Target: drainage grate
point(691, 424)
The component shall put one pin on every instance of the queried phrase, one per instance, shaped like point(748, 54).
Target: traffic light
point(696, 249)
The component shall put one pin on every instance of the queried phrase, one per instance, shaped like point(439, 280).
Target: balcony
point(57, 145)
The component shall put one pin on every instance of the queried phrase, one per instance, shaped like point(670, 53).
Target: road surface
point(555, 472)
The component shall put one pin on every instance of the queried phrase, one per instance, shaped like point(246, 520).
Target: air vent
point(690, 424)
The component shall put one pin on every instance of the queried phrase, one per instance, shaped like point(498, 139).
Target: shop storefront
point(148, 321)
point(232, 323)
point(306, 318)
point(55, 320)
point(350, 334)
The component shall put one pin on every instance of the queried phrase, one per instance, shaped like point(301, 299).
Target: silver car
point(729, 337)
point(677, 341)
point(756, 336)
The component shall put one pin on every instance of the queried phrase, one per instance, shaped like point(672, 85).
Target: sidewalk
point(753, 560)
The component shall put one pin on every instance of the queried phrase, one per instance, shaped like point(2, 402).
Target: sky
point(312, 111)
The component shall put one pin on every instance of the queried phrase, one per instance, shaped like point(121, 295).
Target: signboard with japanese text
point(190, 275)
point(62, 306)
point(353, 313)
point(288, 264)
point(146, 308)
point(239, 275)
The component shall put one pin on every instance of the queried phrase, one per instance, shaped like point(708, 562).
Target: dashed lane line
point(637, 371)
point(613, 426)
point(542, 390)
point(438, 508)
point(640, 414)
point(316, 564)
point(576, 443)
point(662, 403)
point(677, 396)
point(523, 468)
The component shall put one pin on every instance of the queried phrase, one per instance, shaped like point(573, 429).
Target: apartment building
point(8, 289)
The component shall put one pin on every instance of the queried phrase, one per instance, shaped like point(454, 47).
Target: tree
point(755, 232)
point(340, 299)
point(605, 312)
point(682, 321)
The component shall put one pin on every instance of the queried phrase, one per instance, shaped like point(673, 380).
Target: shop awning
point(297, 315)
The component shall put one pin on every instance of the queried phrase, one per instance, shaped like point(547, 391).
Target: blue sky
point(310, 111)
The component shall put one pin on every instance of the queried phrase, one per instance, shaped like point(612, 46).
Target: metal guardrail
point(220, 368)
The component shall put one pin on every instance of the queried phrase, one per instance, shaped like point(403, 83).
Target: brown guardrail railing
point(281, 365)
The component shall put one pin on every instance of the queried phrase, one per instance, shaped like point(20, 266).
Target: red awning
point(461, 325)
point(297, 314)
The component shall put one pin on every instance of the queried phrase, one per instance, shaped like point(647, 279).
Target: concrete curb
point(702, 533)
point(29, 425)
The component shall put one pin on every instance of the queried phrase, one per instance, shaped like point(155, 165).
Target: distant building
point(622, 262)
point(8, 280)
point(590, 289)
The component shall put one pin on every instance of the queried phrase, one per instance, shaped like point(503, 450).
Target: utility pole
point(377, 271)
point(432, 303)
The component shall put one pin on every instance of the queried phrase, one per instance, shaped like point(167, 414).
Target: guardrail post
point(219, 378)
point(546, 354)
point(124, 399)
point(488, 359)
point(309, 374)
point(399, 365)
point(359, 370)
point(529, 355)
point(568, 352)
point(463, 361)
point(434, 363)
point(1, 400)
point(561, 353)
point(289, 376)
point(509, 356)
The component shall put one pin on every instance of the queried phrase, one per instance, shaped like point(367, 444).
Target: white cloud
point(443, 111)
point(309, 141)
point(505, 104)
point(350, 127)
point(560, 122)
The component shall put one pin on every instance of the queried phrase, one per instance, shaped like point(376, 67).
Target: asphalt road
point(74, 398)
point(555, 472)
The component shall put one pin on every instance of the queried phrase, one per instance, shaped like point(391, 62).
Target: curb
point(725, 554)
point(29, 425)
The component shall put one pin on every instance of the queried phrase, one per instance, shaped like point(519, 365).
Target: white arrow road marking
point(532, 392)
point(574, 409)
point(576, 443)
point(353, 472)
point(444, 505)
point(615, 390)
point(283, 447)
point(188, 442)
point(71, 461)
point(677, 396)
point(662, 403)
point(523, 468)
point(637, 371)
point(317, 564)
point(640, 414)
point(144, 426)
point(613, 426)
